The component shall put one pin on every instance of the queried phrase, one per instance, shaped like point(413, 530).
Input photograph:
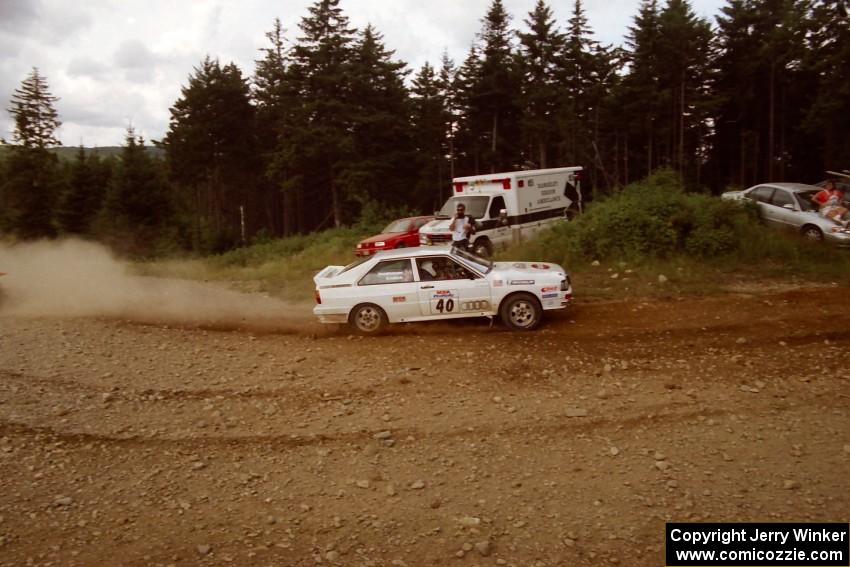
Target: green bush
point(657, 220)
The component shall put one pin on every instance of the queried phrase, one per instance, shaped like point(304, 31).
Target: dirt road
point(149, 444)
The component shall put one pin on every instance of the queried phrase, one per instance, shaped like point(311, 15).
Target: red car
point(398, 234)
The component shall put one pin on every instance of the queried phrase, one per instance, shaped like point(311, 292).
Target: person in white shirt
point(461, 227)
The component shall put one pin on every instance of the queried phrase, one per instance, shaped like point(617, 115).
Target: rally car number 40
point(438, 283)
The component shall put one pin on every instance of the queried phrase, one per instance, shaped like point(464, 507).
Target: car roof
point(412, 252)
point(414, 218)
point(795, 187)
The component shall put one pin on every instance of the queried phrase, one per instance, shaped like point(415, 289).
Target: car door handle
point(427, 287)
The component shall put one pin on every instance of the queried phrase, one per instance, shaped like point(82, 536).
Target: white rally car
point(424, 284)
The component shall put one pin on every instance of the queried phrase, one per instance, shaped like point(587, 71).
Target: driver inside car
point(427, 272)
point(433, 270)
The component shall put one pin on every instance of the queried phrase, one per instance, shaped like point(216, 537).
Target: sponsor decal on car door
point(444, 302)
point(457, 296)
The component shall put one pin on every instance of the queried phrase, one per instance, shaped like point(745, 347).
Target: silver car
point(789, 206)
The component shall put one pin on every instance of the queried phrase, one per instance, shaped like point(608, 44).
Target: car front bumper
point(840, 239)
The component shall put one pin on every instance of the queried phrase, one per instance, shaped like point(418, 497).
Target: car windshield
point(397, 226)
point(476, 205)
point(481, 264)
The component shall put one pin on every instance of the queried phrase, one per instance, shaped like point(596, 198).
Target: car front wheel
point(812, 233)
point(521, 312)
point(368, 319)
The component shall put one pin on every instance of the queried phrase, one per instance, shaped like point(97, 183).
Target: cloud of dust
point(72, 278)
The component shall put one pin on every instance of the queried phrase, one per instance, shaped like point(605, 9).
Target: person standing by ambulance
point(461, 226)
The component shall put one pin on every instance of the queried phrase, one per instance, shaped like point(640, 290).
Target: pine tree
point(273, 94)
point(83, 196)
point(430, 123)
point(587, 74)
point(494, 106)
point(540, 50)
point(764, 90)
point(468, 139)
point(36, 119)
point(211, 148)
point(320, 142)
point(138, 213)
point(640, 92)
point(827, 121)
point(33, 177)
point(379, 167)
point(448, 72)
point(576, 76)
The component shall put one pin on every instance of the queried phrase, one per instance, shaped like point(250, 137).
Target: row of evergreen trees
point(329, 126)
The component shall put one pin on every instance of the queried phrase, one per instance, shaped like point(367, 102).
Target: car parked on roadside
point(401, 233)
point(789, 206)
point(429, 283)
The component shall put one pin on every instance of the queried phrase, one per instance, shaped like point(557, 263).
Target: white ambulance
point(508, 207)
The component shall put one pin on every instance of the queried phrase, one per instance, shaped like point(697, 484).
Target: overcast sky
point(114, 63)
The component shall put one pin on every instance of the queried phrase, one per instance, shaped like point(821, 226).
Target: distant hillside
point(68, 153)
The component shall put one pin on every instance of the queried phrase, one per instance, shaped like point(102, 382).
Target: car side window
point(496, 205)
point(761, 194)
point(420, 223)
point(804, 200)
point(438, 268)
point(782, 198)
point(455, 271)
point(389, 272)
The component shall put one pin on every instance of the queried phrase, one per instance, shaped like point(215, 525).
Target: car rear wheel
point(521, 312)
point(367, 319)
point(812, 233)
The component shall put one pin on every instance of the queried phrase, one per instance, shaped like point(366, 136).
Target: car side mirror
point(788, 206)
point(503, 217)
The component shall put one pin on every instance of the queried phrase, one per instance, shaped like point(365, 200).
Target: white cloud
point(17, 16)
point(115, 62)
point(87, 67)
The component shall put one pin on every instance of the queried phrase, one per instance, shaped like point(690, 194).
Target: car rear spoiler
point(328, 272)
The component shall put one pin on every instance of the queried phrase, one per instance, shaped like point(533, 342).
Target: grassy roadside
point(284, 268)
point(653, 239)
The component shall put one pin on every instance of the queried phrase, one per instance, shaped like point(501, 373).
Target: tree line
point(331, 126)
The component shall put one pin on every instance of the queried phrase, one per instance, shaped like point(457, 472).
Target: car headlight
point(379, 244)
point(359, 246)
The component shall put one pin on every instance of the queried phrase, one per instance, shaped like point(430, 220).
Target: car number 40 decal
point(443, 301)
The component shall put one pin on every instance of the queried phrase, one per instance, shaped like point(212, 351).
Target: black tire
point(482, 248)
point(812, 233)
point(367, 319)
point(521, 312)
point(401, 245)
